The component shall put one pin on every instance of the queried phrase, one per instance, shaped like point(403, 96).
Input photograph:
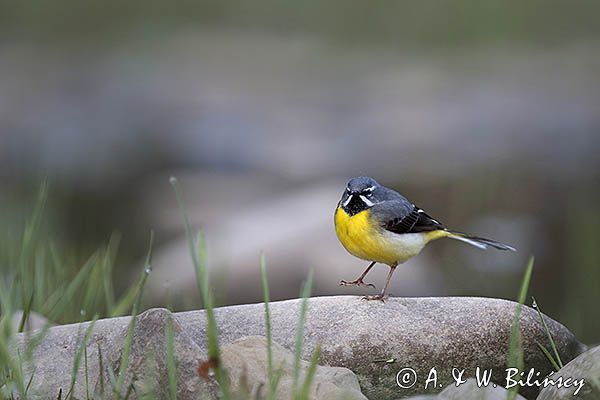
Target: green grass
point(300, 332)
point(79, 354)
point(171, 364)
point(300, 390)
point(274, 375)
point(36, 277)
point(120, 380)
point(198, 255)
point(515, 347)
point(554, 358)
point(515, 351)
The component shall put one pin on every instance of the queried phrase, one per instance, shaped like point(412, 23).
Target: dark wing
point(405, 217)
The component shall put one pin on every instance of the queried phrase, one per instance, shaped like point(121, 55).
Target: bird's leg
point(359, 281)
point(383, 295)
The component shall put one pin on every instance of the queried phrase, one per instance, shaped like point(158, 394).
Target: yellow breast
point(366, 240)
point(362, 239)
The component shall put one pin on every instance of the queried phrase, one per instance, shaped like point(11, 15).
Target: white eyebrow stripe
point(347, 200)
point(370, 189)
point(368, 202)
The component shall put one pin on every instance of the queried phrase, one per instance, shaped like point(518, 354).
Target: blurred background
point(486, 114)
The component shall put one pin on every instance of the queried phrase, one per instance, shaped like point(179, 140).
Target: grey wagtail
point(377, 224)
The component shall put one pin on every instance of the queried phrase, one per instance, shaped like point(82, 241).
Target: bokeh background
point(486, 114)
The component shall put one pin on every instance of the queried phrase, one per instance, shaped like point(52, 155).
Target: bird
point(379, 225)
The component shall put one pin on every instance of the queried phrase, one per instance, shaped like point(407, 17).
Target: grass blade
point(558, 362)
point(86, 370)
point(117, 388)
point(548, 355)
point(25, 315)
point(69, 293)
point(515, 348)
point(273, 380)
point(101, 368)
point(310, 375)
point(306, 290)
point(78, 354)
point(171, 366)
point(198, 254)
point(107, 271)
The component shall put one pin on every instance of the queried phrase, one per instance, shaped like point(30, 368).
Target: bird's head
point(361, 194)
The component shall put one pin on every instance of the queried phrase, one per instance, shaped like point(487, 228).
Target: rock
point(147, 368)
point(467, 391)
point(419, 333)
point(51, 365)
point(34, 321)
point(586, 367)
point(246, 361)
point(470, 390)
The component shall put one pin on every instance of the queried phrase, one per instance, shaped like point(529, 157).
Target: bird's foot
point(358, 282)
point(380, 297)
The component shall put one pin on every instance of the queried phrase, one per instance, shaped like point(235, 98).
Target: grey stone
point(420, 333)
point(147, 370)
point(146, 373)
point(468, 390)
point(52, 359)
point(34, 321)
point(246, 361)
point(471, 391)
point(147, 364)
point(586, 367)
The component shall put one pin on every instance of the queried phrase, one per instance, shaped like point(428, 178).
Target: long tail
point(479, 242)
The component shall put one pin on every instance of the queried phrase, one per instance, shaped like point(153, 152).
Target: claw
point(379, 297)
point(358, 282)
